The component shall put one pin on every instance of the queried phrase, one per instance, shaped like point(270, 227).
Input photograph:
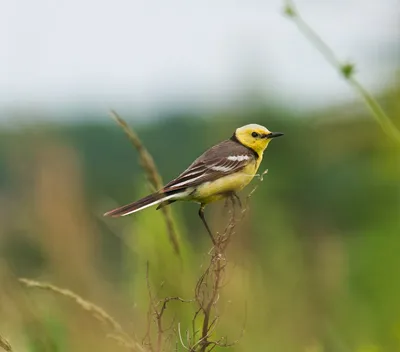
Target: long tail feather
point(140, 204)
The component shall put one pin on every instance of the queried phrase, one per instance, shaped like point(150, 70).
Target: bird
point(220, 172)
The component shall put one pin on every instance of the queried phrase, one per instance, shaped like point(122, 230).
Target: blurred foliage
point(315, 262)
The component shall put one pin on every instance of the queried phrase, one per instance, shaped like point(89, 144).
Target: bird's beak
point(274, 135)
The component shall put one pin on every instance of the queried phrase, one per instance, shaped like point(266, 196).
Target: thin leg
point(201, 214)
point(233, 201)
point(226, 202)
point(238, 199)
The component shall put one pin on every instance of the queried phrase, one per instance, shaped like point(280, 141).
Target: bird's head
point(255, 136)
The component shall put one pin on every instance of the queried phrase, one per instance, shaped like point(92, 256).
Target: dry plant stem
point(100, 314)
point(207, 311)
point(5, 345)
point(153, 176)
point(207, 292)
point(214, 273)
point(345, 69)
point(158, 313)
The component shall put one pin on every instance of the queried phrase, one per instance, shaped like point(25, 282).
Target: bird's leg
point(201, 214)
point(226, 203)
point(233, 201)
point(238, 199)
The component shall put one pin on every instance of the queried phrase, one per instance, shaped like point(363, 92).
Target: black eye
point(254, 134)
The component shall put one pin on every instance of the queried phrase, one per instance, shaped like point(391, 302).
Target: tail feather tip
point(109, 213)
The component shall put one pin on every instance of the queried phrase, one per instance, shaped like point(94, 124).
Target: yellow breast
point(215, 190)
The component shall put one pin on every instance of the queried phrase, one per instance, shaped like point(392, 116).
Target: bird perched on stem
point(218, 173)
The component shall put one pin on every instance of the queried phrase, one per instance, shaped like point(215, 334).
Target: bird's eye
point(254, 134)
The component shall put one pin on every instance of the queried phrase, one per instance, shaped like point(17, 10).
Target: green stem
point(345, 69)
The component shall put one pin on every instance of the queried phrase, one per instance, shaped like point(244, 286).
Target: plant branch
point(346, 69)
point(96, 311)
point(157, 309)
point(152, 174)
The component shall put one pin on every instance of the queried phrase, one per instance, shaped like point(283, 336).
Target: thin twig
point(150, 311)
point(207, 296)
point(180, 337)
point(153, 176)
point(157, 309)
point(96, 311)
point(346, 69)
point(207, 293)
point(215, 272)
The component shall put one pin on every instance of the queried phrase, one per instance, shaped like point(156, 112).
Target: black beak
point(274, 135)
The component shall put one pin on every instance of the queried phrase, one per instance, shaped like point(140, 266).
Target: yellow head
point(255, 136)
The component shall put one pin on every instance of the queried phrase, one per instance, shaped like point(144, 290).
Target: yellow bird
point(218, 173)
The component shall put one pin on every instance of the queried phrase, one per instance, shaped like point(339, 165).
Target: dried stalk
point(157, 310)
point(209, 285)
point(153, 176)
point(99, 313)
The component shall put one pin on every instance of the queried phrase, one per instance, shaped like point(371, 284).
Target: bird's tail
point(152, 199)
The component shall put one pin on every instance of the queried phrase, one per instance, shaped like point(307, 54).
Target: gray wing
point(223, 159)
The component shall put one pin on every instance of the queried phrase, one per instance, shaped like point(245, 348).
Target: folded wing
point(211, 167)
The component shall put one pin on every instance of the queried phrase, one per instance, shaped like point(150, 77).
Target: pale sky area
point(57, 55)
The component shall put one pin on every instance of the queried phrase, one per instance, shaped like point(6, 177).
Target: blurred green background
point(314, 266)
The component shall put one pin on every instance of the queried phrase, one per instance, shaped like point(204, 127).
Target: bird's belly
point(218, 189)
